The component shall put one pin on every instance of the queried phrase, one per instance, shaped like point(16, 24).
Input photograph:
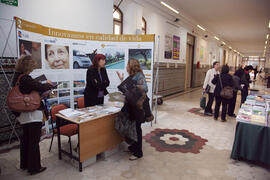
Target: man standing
point(236, 87)
point(245, 81)
point(209, 88)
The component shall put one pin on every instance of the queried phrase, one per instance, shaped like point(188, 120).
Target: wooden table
point(95, 136)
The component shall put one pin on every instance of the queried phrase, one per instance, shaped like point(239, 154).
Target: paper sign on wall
point(176, 47)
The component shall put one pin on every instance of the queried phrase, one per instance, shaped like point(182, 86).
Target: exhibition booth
point(63, 57)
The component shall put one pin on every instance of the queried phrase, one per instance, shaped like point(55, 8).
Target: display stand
point(156, 81)
point(12, 124)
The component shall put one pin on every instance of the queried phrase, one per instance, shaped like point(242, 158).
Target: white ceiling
point(241, 23)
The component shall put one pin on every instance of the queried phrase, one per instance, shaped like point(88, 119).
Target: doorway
point(189, 60)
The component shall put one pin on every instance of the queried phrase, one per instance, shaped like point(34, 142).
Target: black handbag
point(127, 85)
point(227, 91)
point(134, 94)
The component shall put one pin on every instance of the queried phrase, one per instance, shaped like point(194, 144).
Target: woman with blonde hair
point(31, 121)
point(136, 114)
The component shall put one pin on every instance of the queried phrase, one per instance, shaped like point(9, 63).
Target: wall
point(160, 24)
point(83, 15)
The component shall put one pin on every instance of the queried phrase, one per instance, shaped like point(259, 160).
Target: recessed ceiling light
point(223, 43)
point(169, 7)
point(230, 47)
point(265, 42)
point(201, 27)
point(216, 38)
point(264, 47)
point(267, 36)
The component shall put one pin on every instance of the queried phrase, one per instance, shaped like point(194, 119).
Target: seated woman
point(96, 82)
point(31, 121)
point(136, 114)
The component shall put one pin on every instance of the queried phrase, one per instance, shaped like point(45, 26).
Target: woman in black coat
point(31, 122)
point(226, 80)
point(96, 82)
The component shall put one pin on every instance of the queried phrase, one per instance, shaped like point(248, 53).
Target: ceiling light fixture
point(265, 42)
point(169, 7)
point(267, 36)
point(230, 47)
point(201, 27)
point(216, 38)
point(223, 43)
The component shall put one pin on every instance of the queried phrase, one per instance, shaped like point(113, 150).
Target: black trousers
point(244, 94)
point(208, 108)
point(136, 147)
point(224, 103)
point(29, 147)
point(232, 104)
point(89, 102)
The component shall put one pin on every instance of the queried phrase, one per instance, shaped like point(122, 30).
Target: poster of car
point(81, 60)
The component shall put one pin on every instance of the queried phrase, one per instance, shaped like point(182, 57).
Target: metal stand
point(156, 81)
point(13, 124)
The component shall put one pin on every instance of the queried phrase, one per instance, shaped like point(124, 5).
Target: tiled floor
point(213, 161)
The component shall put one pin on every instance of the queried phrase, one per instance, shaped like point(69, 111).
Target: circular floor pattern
point(174, 140)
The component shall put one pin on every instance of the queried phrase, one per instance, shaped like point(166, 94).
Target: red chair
point(65, 130)
point(81, 102)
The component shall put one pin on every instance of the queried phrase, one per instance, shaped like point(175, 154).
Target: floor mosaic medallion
point(174, 140)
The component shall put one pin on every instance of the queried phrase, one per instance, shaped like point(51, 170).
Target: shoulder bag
point(227, 91)
point(19, 102)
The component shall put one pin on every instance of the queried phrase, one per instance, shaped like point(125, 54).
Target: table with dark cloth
point(251, 142)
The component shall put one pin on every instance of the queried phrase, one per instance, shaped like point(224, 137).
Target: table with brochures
point(252, 134)
point(96, 132)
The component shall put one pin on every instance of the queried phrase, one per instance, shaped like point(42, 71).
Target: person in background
point(255, 72)
point(134, 70)
point(208, 84)
point(245, 81)
point(236, 87)
point(31, 121)
point(226, 80)
point(96, 82)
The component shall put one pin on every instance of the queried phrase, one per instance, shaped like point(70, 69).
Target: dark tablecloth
point(251, 142)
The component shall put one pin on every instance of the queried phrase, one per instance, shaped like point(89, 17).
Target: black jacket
point(245, 79)
point(226, 80)
point(236, 83)
point(94, 84)
point(28, 84)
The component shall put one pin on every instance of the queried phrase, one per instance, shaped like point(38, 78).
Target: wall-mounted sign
point(176, 47)
point(10, 2)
